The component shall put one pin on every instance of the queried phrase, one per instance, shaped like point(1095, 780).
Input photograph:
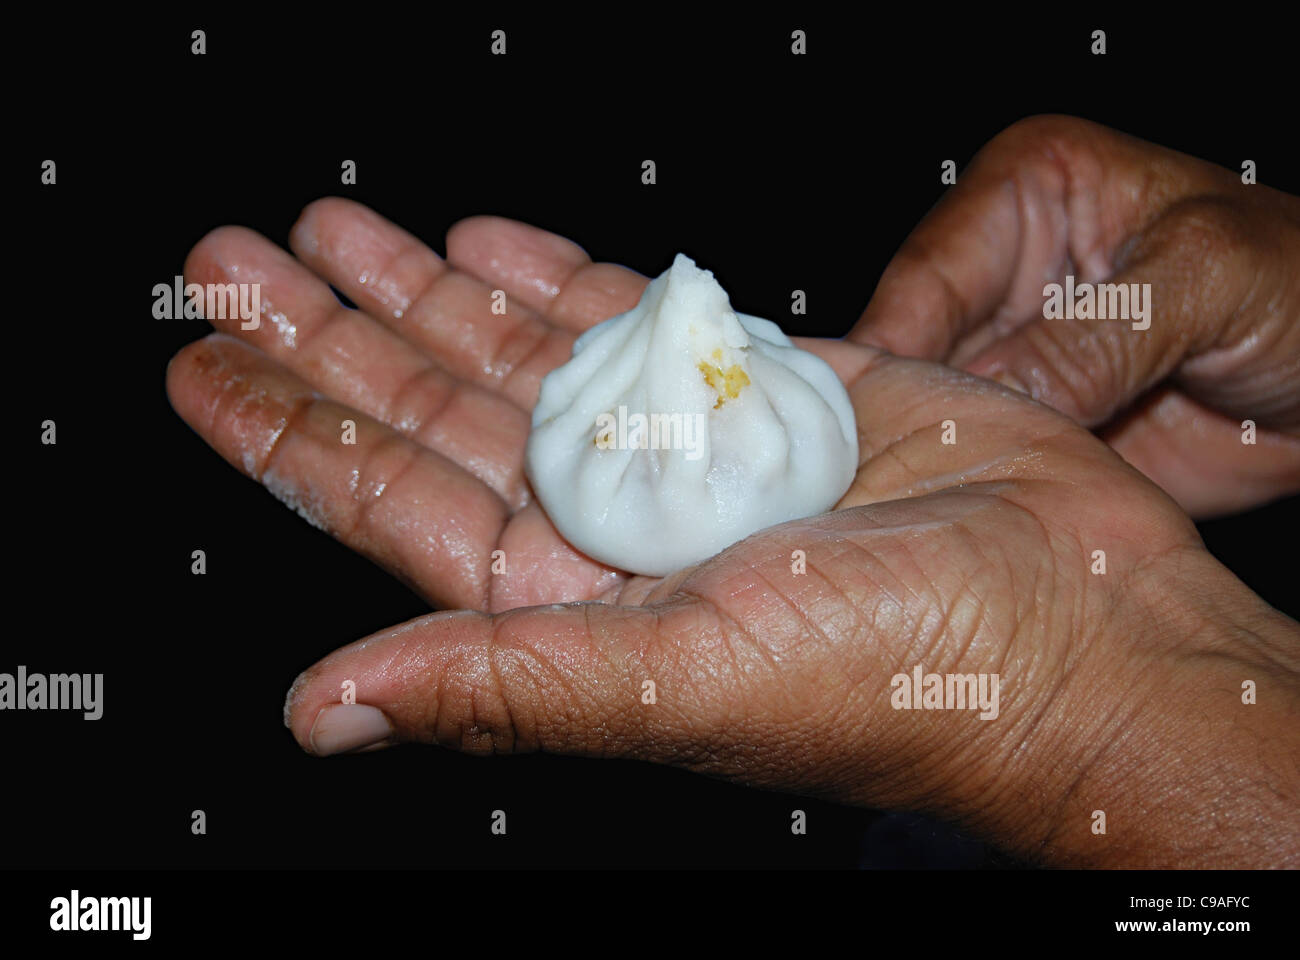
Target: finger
point(1197, 455)
point(407, 508)
point(564, 679)
point(544, 271)
point(902, 408)
point(349, 357)
point(924, 427)
point(451, 316)
point(1208, 284)
point(537, 565)
point(849, 360)
point(1047, 196)
point(803, 703)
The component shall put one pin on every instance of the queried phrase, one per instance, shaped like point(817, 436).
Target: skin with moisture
point(1162, 692)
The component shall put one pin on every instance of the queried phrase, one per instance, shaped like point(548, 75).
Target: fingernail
point(343, 727)
point(1010, 380)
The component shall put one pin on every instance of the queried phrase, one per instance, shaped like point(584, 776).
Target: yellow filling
point(726, 383)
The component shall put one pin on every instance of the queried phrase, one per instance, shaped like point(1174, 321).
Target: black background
point(776, 172)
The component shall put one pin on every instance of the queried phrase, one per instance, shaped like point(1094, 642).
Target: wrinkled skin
point(1053, 196)
point(1119, 691)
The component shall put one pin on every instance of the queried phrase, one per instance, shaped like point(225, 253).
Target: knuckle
point(503, 695)
point(420, 400)
point(1047, 134)
point(1210, 253)
point(382, 467)
point(1082, 364)
point(1041, 126)
point(1201, 232)
point(1213, 224)
point(472, 713)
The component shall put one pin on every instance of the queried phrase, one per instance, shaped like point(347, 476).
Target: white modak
point(681, 427)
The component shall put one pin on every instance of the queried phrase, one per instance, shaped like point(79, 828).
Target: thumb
point(563, 678)
point(1193, 296)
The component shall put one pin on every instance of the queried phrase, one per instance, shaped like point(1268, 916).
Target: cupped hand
point(971, 542)
point(1055, 196)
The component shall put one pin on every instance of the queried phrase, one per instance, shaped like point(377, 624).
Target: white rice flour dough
point(681, 427)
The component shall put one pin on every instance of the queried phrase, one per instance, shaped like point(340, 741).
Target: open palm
point(973, 556)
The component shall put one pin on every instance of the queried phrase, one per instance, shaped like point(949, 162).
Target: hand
point(1054, 196)
point(1117, 691)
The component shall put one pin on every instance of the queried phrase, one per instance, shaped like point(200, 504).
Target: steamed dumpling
point(681, 427)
